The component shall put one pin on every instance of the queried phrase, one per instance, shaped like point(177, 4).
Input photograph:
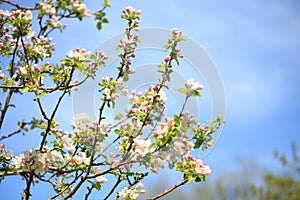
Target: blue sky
point(255, 45)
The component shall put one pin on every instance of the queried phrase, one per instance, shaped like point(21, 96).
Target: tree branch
point(113, 188)
point(11, 134)
point(6, 105)
point(18, 6)
point(183, 181)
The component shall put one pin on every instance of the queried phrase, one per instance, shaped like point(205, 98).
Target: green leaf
point(177, 62)
point(40, 94)
point(25, 89)
point(195, 93)
point(106, 3)
point(88, 154)
point(125, 78)
point(167, 46)
point(105, 20)
point(99, 25)
point(176, 119)
point(198, 179)
point(181, 90)
point(173, 55)
point(97, 186)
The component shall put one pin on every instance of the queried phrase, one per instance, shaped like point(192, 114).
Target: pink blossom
point(55, 22)
point(101, 179)
point(138, 12)
point(193, 85)
point(47, 8)
point(23, 71)
point(175, 31)
point(139, 186)
point(167, 58)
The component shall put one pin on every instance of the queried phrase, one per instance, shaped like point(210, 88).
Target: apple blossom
point(101, 179)
point(167, 58)
point(47, 8)
point(193, 85)
point(142, 136)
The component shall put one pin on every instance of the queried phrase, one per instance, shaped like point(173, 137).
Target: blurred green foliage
point(275, 185)
point(285, 186)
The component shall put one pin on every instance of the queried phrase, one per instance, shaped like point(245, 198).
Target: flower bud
point(167, 58)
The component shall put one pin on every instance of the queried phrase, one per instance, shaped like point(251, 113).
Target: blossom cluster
point(5, 154)
point(144, 136)
point(190, 84)
point(78, 54)
point(14, 24)
point(84, 135)
point(172, 44)
point(147, 105)
point(111, 89)
point(193, 168)
point(132, 16)
point(81, 8)
point(142, 147)
point(36, 160)
point(129, 42)
point(130, 192)
point(48, 7)
point(82, 60)
point(192, 88)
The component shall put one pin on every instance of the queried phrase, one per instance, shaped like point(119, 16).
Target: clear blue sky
point(254, 44)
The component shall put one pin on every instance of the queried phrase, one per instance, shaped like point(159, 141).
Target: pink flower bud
point(137, 12)
point(167, 58)
point(175, 31)
point(36, 68)
point(200, 87)
point(139, 186)
point(177, 50)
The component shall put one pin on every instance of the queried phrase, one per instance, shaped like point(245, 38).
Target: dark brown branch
point(113, 188)
point(11, 91)
point(90, 189)
point(183, 181)
point(28, 185)
point(6, 105)
point(54, 111)
point(184, 104)
point(42, 109)
point(11, 134)
point(18, 6)
point(49, 90)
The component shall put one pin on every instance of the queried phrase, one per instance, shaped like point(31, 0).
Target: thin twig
point(11, 134)
point(183, 181)
point(6, 105)
point(18, 6)
point(184, 104)
point(113, 188)
point(90, 189)
point(49, 89)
